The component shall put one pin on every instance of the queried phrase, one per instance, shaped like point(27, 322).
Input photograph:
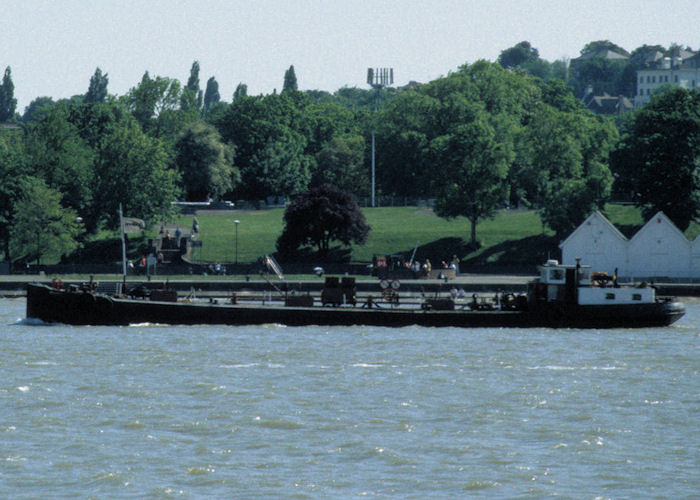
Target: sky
point(54, 46)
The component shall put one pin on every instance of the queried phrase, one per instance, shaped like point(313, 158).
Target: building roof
point(678, 58)
point(607, 104)
point(659, 218)
point(604, 53)
point(694, 61)
point(595, 216)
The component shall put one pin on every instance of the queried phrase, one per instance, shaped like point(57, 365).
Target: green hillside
point(511, 238)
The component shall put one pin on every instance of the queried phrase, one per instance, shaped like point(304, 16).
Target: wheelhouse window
point(636, 296)
point(556, 275)
point(609, 296)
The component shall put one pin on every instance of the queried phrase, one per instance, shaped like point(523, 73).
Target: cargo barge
point(562, 296)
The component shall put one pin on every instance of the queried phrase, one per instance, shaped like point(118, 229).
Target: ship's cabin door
point(570, 286)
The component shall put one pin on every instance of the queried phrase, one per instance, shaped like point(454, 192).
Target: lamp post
point(236, 222)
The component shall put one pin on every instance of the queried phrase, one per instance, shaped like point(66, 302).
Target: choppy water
point(241, 412)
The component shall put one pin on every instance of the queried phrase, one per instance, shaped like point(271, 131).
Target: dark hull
point(79, 308)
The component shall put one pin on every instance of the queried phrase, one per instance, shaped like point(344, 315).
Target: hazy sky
point(54, 46)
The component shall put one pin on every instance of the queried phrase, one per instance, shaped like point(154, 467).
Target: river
point(315, 412)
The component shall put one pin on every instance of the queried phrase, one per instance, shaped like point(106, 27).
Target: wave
point(574, 368)
point(33, 322)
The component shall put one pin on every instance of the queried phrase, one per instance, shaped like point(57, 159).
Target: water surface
point(327, 412)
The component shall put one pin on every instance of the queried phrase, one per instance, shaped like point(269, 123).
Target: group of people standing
point(424, 269)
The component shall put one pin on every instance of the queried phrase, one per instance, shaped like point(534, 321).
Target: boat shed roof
point(597, 217)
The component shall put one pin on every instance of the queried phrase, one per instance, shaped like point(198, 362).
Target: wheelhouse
point(579, 284)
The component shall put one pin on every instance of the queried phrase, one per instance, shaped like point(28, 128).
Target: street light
point(236, 222)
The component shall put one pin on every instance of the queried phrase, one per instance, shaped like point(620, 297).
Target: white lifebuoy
point(396, 284)
point(384, 284)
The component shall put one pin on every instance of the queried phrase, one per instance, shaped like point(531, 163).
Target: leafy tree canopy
point(475, 162)
point(601, 45)
point(97, 91)
point(133, 169)
point(568, 175)
point(658, 160)
point(211, 94)
point(154, 102)
point(269, 134)
point(241, 91)
point(518, 55)
point(13, 171)
point(57, 154)
point(41, 225)
point(191, 97)
point(37, 108)
point(205, 163)
point(290, 80)
point(341, 163)
point(320, 216)
point(8, 103)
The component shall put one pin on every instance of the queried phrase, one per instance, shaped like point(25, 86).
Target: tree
point(96, 120)
point(518, 55)
point(191, 98)
point(408, 164)
point(56, 153)
point(341, 163)
point(241, 91)
point(352, 97)
point(599, 46)
point(205, 163)
point(574, 194)
point(290, 80)
point(97, 91)
point(324, 121)
point(133, 169)
point(322, 215)
point(211, 94)
point(561, 165)
point(42, 227)
point(8, 103)
point(560, 69)
point(12, 175)
point(152, 100)
point(37, 109)
point(270, 136)
point(476, 164)
point(280, 168)
point(658, 160)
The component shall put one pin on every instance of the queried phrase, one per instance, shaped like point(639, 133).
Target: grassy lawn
point(512, 237)
point(394, 230)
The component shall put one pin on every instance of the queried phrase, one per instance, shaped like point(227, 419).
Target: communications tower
point(378, 78)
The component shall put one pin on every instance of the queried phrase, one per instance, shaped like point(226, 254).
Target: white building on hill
point(681, 70)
